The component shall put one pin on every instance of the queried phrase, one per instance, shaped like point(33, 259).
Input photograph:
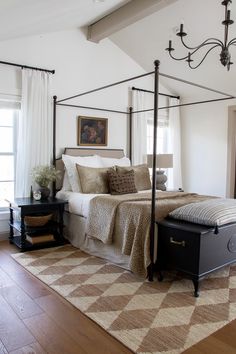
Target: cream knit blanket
point(128, 216)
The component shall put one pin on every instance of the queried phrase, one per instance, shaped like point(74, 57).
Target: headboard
point(115, 153)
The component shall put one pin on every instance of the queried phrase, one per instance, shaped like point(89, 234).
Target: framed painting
point(92, 131)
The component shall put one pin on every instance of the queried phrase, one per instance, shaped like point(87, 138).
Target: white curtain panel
point(139, 128)
point(174, 145)
point(35, 128)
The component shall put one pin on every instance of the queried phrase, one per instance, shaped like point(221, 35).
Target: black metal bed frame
point(130, 113)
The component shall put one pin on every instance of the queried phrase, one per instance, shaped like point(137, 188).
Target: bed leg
point(150, 272)
point(196, 287)
point(160, 275)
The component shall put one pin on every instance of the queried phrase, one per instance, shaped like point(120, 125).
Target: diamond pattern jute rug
point(148, 317)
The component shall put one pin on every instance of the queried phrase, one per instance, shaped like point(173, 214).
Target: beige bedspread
point(128, 216)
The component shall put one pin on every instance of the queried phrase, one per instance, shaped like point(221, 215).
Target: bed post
point(153, 216)
point(54, 141)
point(130, 132)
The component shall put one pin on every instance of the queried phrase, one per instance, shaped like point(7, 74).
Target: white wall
point(204, 148)
point(80, 65)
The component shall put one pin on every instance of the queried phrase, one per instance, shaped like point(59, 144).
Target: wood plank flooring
point(36, 320)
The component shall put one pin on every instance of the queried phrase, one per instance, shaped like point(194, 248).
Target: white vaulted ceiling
point(29, 17)
point(144, 40)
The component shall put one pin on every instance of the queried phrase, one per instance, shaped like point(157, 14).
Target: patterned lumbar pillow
point(213, 212)
point(121, 183)
point(141, 176)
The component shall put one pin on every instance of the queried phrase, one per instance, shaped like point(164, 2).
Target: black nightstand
point(20, 232)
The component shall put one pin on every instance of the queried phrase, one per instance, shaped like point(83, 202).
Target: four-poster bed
point(129, 114)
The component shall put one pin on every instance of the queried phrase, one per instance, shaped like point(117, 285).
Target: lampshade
point(162, 160)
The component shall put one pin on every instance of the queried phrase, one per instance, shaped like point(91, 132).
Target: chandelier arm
point(233, 41)
point(195, 67)
point(202, 45)
point(177, 58)
point(215, 41)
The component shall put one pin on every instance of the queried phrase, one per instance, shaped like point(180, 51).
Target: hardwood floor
point(36, 320)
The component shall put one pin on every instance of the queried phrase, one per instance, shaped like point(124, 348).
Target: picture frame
point(92, 131)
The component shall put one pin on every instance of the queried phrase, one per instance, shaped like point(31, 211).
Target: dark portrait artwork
point(92, 131)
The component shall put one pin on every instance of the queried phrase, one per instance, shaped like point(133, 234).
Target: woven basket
point(39, 220)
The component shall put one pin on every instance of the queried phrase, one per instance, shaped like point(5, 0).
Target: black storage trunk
point(193, 249)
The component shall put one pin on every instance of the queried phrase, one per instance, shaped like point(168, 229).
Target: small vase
point(45, 192)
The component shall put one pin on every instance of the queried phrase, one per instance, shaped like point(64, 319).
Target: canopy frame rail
point(195, 85)
point(186, 104)
point(92, 108)
point(106, 86)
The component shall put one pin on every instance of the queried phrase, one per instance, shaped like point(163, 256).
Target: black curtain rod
point(93, 108)
point(27, 67)
point(161, 94)
point(106, 86)
point(186, 104)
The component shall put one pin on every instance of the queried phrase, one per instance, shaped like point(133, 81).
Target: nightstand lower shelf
point(27, 246)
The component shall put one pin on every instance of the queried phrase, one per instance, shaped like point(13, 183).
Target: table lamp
point(162, 161)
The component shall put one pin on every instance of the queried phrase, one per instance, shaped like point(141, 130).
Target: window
point(162, 133)
point(8, 134)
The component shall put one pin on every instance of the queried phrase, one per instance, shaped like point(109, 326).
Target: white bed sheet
point(78, 203)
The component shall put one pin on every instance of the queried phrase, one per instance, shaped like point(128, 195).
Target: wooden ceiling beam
point(132, 12)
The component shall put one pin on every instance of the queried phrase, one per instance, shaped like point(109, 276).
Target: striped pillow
point(213, 212)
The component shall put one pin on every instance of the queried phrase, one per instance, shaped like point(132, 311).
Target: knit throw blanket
point(128, 216)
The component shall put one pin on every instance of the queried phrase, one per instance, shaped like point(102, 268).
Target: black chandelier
point(225, 57)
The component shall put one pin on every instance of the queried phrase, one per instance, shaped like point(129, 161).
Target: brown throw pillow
point(93, 180)
point(141, 176)
point(121, 183)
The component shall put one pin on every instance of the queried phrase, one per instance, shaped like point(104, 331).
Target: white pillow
point(66, 186)
point(110, 162)
point(70, 165)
